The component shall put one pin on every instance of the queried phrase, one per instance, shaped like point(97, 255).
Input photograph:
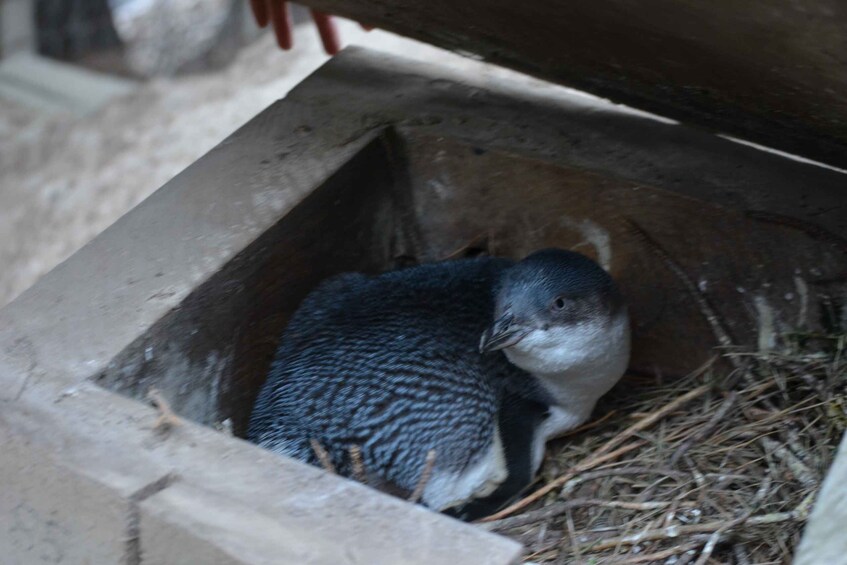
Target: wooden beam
point(770, 71)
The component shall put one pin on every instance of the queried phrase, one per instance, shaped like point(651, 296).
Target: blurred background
point(103, 101)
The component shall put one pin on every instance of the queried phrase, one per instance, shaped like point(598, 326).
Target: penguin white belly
point(595, 363)
point(447, 489)
point(559, 421)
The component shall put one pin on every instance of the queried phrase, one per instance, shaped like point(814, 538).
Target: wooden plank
point(824, 540)
point(770, 71)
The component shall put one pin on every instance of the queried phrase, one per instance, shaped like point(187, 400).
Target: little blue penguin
point(479, 361)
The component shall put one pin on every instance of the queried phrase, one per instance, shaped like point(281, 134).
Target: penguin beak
point(501, 334)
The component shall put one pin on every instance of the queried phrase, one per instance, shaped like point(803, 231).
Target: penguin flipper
point(519, 420)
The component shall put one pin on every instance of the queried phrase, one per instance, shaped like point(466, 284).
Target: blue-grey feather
point(390, 363)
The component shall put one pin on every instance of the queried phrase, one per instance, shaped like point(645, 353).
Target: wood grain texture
point(375, 158)
point(824, 540)
point(771, 71)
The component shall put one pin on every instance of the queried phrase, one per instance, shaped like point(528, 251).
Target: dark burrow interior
point(410, 197)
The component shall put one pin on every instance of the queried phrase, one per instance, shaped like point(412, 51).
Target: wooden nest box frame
point(372, 158)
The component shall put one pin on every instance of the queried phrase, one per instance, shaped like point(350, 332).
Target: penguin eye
point(559, 303)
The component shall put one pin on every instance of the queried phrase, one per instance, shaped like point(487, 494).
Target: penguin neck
point(579, 364)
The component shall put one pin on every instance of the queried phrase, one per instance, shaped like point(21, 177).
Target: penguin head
point(551, 301)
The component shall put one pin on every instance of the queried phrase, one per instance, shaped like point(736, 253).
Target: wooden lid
point(769, 71)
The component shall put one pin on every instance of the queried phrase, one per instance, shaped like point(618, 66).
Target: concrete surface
point(55, 88)
point(186, 252)
point(64, 179)
point(17, 34)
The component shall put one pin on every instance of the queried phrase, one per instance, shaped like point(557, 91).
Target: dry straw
point(721, 466)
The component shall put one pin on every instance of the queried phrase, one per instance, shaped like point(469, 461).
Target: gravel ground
point(63, 180)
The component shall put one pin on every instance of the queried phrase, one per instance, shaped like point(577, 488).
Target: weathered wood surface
point(771, 71)
point(824, 541)
point(510, 171)
point(370, 158)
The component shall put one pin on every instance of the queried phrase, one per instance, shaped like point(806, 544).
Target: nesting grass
point(721, 466)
